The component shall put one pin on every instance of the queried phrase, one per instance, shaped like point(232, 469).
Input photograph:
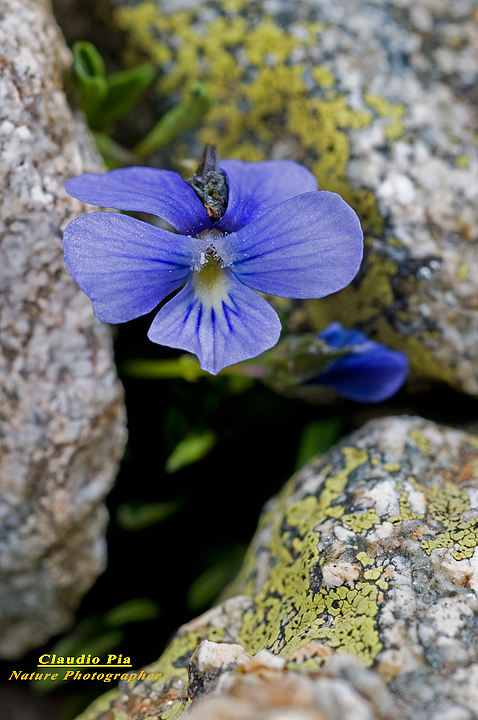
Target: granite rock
point(378, 99)
point(62, 421)
point(364, 568)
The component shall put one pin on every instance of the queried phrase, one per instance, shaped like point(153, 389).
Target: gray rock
point(363, 575)
point(62, 416)
point(378, 99)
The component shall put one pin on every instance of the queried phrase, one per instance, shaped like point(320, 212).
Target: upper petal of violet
point(307, 247)
point(159, 192)
point(257, 187)
point(124, 265)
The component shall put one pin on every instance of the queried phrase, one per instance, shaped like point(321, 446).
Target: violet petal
point(158, 192)
point(124, 265)
point(230, 324)
point(307, 247)
point(255, 188)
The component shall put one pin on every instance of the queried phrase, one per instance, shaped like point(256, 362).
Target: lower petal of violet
point(235, 324)
point(124, 265)
point(369, 377)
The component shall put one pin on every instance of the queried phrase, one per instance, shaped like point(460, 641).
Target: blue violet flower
point(278, 235)
point(371, 372)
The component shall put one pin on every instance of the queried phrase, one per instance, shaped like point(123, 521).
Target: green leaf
point(191, 449)
point(182, 117)
point(89, 70)
point(317, 437)
point(124, 89)
point(114, 154)
point(185, 366)
point(134, 516)
point(205, 588)
point(137, 610)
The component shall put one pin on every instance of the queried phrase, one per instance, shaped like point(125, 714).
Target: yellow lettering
point(16, 674)
point(41, 661)
point(110, 659)
point(54, 676)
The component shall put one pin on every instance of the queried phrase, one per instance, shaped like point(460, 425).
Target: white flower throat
point(211, 257)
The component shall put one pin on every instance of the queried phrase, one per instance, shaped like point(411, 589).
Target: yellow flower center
point(210, 279)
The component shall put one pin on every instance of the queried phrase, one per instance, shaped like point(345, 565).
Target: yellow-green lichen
point(311, 664)
point(287, 612)
point(365, 559)
point(421, 441)
point(362, 520)
point(405, 513)
point(323, 76)
point(391, 467)
point(450, 506)
point(462, 272)
point(462, 161)
point(393, 114)
point(373, 574)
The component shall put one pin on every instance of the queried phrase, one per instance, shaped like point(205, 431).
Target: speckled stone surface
point(62, 420)
point(378, 99)
point(369, 551)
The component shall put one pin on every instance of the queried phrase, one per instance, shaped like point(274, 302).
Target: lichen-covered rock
point(369, 551)
point(62, 423)
point(377, 98)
